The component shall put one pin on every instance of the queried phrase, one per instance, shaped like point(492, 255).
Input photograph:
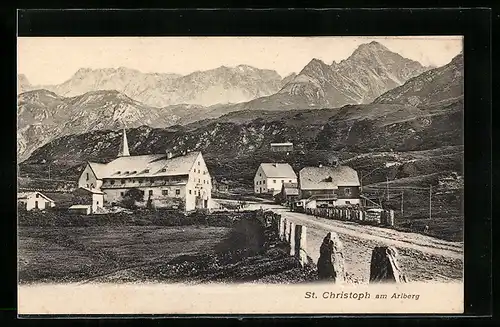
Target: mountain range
point(230, 141)
point(45, 115)
point(220, 85)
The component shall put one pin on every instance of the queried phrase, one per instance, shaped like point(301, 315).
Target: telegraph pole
point(387, 186)
point(430, 201)
point(402, 203)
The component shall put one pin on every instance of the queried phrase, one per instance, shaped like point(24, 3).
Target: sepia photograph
point(193, 175)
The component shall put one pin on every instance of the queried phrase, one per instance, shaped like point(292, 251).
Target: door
point(36, 204)
point(205, 204)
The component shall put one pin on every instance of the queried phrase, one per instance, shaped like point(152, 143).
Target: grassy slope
point(123, 251)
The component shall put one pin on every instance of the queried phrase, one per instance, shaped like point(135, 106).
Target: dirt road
point(422, 258)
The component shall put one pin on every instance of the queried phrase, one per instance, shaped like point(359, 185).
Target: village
point(177, 193)
point(182, 182)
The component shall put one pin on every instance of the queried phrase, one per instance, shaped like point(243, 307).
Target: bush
point(131, 197)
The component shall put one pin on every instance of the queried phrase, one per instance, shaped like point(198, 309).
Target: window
point(121, 193)
point(123, 181)
point(348, 202)
point(146, 171)
point(274, 181)
point(189, 191)
point(163, 170)
point(37, 195)
point(150, 192)
point(177, 192)
point(87, 176)
point(347, 191)
point(36, 204)
point(97, 202)
point(260, 174)
point(282, 181)
point(289, 181)
point(164, 192)
point(198, 165)
point(199, 193)
point(199, 180)
point(112, 182)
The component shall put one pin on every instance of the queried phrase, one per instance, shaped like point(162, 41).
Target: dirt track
point(422, 258)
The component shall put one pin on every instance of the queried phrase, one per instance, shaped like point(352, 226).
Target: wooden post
point(282, 222)
point(286, 231)
point(301, 244)
point(291, 238)
point(384, 267)
point(390, 218)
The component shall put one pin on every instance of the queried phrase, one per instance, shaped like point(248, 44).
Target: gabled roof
point(151, 165)
point(27, 195)
point(99, 169)
point(278, 170)
point(290, 185)
point(322, 178)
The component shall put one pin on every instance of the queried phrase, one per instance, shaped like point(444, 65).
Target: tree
point(131, 197)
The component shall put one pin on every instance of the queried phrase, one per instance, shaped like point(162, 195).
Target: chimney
point(169, 155)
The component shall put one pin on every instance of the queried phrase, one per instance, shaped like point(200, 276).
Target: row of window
point(142, 180)
point(165, 192)
point(274, 182)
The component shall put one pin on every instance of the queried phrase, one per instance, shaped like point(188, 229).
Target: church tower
point(124, 146)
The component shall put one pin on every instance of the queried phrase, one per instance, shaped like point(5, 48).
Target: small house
point(81, 209)
point(330, 186)
point(221, 186)
point(34, 200)
point(282, 147)
point(92, 197)
point(270, 177)
point(289, 193)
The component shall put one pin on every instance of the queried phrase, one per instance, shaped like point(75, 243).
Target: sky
point(53, 60)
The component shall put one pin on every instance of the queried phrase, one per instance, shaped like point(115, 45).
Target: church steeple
point(124, 146)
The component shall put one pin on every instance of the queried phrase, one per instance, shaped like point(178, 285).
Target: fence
point(383, 217)
point(384, 266)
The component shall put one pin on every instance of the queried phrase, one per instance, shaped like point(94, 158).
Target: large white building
point(165, 180)
point(270, 177)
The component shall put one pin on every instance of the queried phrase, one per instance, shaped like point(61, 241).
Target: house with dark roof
point(165, 180)
point(329, 186)
point(270, 177)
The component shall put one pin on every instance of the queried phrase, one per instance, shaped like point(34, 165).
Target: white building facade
point(270, 177)
point(164, 180)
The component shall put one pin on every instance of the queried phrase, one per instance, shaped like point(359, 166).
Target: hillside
point(205, 88)
point(237, 137)
point(44, 116)
point(432, 87)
